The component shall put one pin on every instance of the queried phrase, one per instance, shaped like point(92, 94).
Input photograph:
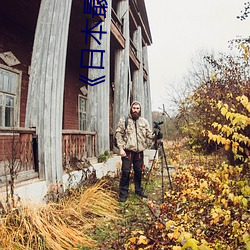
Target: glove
point(159, 135)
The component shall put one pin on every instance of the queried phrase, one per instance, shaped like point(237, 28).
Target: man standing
point(132, 141)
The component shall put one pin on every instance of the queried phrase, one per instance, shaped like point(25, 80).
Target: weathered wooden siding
point(45, 97)
point(98, 95)
point(138, 84)
point(132, 62)
point(148, 107)
point(122, 74)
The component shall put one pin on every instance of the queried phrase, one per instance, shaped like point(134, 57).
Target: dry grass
point(60, 225)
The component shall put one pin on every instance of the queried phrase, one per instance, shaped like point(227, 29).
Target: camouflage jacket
point(136, 134)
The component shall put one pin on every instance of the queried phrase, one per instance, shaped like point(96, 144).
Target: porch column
point(147, 89)
point(98, 95)
point(45, 95)
point(122, 74)
point(138, 85)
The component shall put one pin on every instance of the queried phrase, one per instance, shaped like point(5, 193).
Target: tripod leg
point(150, 170)
point(162, 178)
point(165, 158)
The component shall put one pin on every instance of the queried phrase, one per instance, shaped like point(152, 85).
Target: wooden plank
point(138, 83)
point(16, 130)
point(63, 30)
point(122, 81)
point(115, 19)
point(117, 34)
point(134, 59)
point(144, 30)
point(148, 107)
point(98, 101)
point(47, 85)
point(77, 132)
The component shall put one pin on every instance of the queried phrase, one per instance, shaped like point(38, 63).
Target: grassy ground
point(136, 216)
point(139, 215)
point(87, 216)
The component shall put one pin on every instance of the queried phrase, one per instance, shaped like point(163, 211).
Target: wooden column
point(138, 85)
point(148, 107)
point(122, 75)
point(98, 95)
point(45, 96)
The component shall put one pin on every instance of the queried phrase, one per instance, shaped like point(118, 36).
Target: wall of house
point(19, 41)
point(71, 92)
point(14, 38)
point(76, 42)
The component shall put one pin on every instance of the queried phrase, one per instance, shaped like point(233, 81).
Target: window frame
point(17, 96)
point(80, 111)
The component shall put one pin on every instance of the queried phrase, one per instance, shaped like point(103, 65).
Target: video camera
point(157, 125)
point(157, 131)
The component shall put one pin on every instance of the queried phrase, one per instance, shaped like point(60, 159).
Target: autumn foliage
point(235, 134)
point(208, 208)
point(223, 78)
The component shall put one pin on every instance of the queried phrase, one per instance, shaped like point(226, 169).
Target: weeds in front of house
point(105, 156)
point(62, 225)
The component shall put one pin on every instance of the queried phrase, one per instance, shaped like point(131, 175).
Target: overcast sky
point(181, 28)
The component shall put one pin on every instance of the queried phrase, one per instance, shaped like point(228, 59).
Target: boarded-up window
point(82, 103)
point(9, 97)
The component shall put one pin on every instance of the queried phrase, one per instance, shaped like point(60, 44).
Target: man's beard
point(135, 115)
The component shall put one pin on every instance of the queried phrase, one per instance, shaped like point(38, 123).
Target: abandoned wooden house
point(68, 71)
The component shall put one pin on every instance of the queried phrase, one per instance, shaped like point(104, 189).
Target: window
point(9, 97)
point(82, 103)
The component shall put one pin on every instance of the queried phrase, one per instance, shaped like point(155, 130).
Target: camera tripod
point(159, 148)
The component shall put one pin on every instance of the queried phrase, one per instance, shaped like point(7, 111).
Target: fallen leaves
point(208, 208)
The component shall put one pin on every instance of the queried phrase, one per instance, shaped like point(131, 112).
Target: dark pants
point(135, 158)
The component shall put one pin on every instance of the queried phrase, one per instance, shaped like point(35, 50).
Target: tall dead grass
point(61, 225)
